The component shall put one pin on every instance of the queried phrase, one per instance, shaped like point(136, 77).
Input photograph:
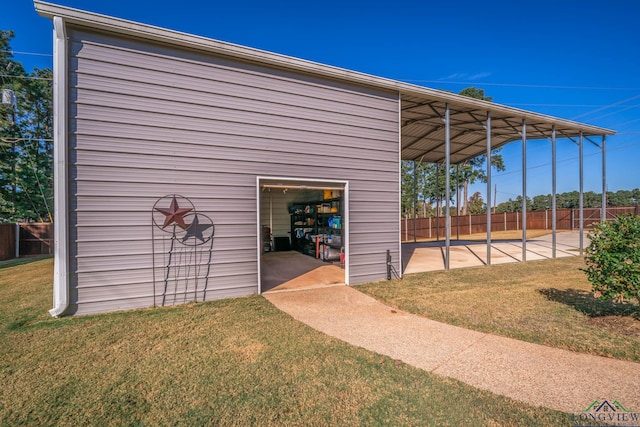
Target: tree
point(613, 259)
point(541, 202)
point(429, 187)
point(408, 192)
point(476, 204)
point(473, 92)
point(26, 149)
point(620, 198)
point(472, 170)
point(513, 205)
point(434, 188)
point(571, 200)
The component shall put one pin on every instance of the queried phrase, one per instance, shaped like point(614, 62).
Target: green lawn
point(232, 362)
point(547, 302)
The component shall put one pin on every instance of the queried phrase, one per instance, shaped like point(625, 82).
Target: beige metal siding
point(149, 120)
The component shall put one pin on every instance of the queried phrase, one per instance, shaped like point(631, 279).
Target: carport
point(447, 129)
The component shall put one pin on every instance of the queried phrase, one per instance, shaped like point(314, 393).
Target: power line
point(552, 105)
point(588, 113)
point(24, 139)
point(566, 160)
point(25, 77)
point(602, 116)
point(25, 53)
point(620, 125)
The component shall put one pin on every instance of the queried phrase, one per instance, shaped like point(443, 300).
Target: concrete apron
point(534, 374)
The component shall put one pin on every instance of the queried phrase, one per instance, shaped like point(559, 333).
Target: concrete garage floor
point(280, 271)
point(429, 256)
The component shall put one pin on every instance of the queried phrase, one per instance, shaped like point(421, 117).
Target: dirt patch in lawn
point(622, 325)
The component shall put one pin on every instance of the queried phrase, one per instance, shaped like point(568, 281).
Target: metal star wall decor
point(183, 253)
point(174, 214)
point(196, 230)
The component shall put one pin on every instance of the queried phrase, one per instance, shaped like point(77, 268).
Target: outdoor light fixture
point(9, 97)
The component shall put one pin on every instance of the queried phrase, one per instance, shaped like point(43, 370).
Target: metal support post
point(447, 151)
point(524, 190)
point(488, 188)
point(415, 196)
point(553, 192)
point(438, 202)
point(457, 201)
point(581, 194)
point(603, 215)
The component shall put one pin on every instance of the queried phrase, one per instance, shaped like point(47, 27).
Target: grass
point(546, 302)
point(230, 362)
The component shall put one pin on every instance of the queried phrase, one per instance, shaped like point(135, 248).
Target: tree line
point(571, 200)
point(26, 139)
point(541, 202)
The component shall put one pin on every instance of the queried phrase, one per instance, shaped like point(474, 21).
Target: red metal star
point(174, 214)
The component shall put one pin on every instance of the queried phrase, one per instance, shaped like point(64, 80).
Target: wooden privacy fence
point(33, 239)
point(7, 241)
point(566, 219)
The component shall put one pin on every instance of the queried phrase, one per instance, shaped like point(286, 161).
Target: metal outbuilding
point(154, 125)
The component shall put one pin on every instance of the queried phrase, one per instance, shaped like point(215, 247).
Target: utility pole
point(495, 197)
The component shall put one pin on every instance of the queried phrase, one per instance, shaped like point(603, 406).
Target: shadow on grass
point(586, 303)
point(20, 261)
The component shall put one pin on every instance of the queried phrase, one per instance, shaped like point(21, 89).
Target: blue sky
point(576, 59)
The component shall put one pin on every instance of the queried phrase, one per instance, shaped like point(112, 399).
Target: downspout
point(60, 226)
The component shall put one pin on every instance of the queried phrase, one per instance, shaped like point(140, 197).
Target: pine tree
point(26, 148)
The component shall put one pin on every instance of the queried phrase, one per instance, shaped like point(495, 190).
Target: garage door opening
point(302, 233)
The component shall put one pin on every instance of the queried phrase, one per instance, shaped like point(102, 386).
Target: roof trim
point(177, 38)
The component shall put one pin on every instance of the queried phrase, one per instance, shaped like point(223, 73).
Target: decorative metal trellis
point(182, 240)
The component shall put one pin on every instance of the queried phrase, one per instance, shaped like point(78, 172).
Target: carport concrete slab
point(561, 250)
point(497, 257)
point(425, 259)
point(462, 257)
point(543, 249)
point(538, 250)
point(515, 250)
point(429, 256)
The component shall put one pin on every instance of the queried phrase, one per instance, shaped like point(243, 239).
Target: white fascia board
point(177, 38)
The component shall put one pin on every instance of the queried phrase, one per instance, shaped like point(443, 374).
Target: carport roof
point(422, 109)
point(423, 127)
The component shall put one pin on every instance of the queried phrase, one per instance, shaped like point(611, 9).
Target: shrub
point(613, 259)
